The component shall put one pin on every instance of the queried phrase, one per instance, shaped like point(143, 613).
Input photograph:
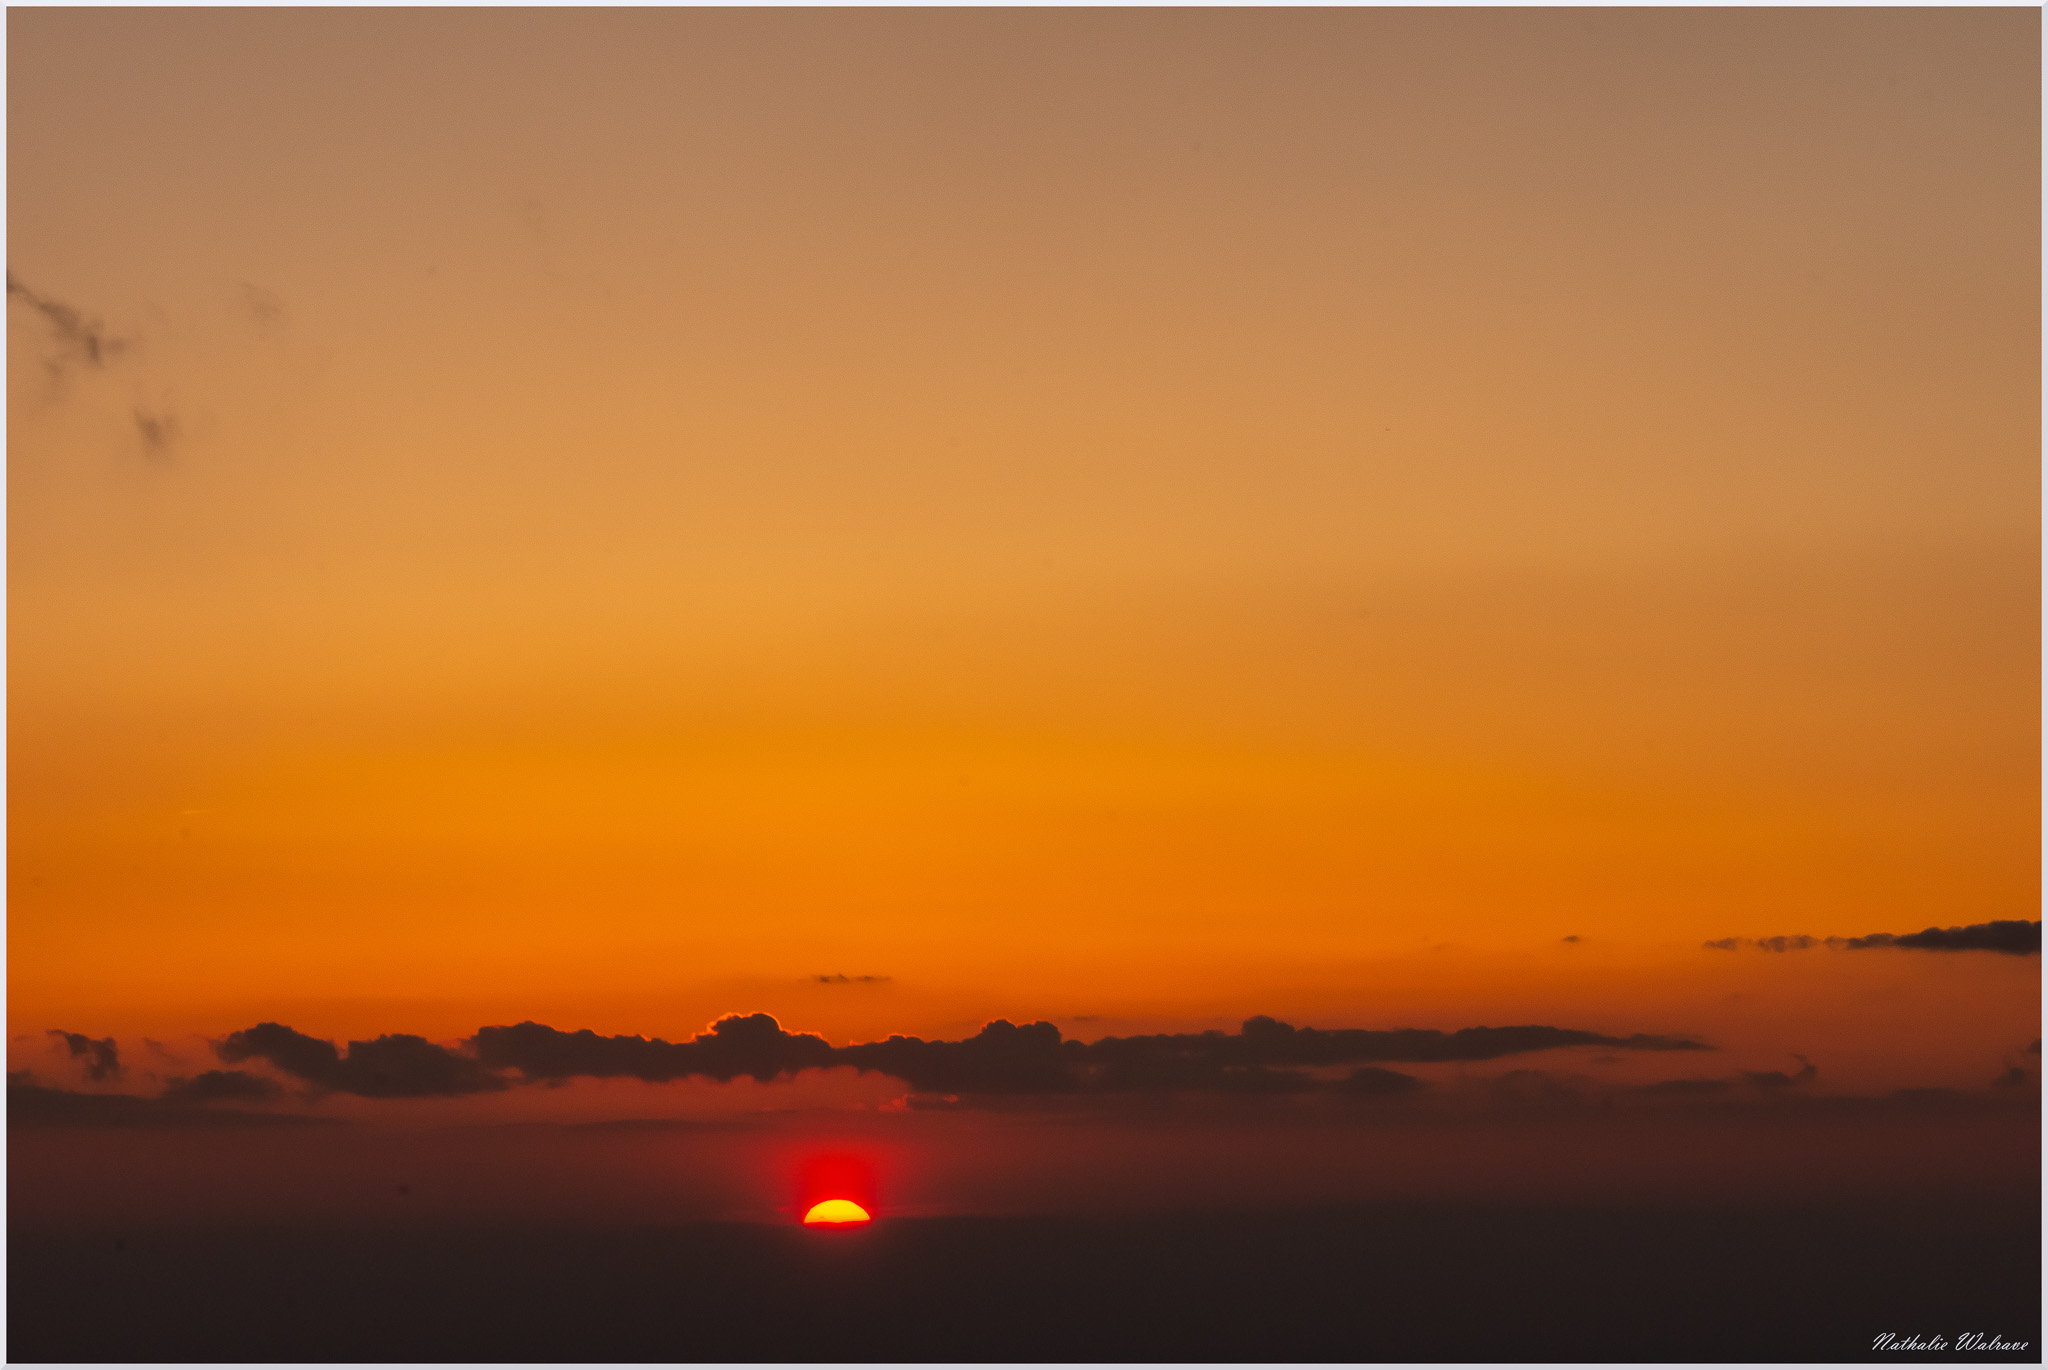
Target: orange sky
point(1129, 517)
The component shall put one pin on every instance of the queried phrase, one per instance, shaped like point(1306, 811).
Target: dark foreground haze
point(1531, 1215)
point(1364, 1283)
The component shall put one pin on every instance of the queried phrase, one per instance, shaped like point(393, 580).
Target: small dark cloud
point(77, 339)
point(1768, 1081)
point(2024, 1073)
point(1926, 1098)
point(932, 1103)
point(2014, 937)
point(1260, 1080)
point(852, 979)
point(1688, 1088)
point(159, 431)
point(102, 1057)
point(1375, 1083)
point(262, 306)
point(221, 1086)
point(1573, 938)
point(1797, 942)
point(1773, 1080)
point(394, 1066)
point(1522, 1089)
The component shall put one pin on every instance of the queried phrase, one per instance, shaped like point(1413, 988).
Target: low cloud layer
point(222, 1086)
point(1268, 1067)
point(753, 1045)
point(394, 1066)
point(1265, 1057)
point(187, 1104)
point(1004, 1058)
point(2013, 937)
point(1768, 1081)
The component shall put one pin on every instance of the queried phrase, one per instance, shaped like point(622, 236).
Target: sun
point(836, 1211)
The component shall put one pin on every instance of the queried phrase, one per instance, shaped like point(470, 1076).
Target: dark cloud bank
point(394, 1066)
point(1003, 1059)
point(2014, 937)
point(1266, 1055)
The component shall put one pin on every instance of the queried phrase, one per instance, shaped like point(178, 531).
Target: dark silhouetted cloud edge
point(394, 1066)
point(2013, 937)
point(1265, 1057)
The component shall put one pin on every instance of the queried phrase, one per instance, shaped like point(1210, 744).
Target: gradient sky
point(1130, 518)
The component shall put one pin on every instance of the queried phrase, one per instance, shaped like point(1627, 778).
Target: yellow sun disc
point(836, 1211)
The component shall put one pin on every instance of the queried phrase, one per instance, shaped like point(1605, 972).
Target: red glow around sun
point(837, 1190)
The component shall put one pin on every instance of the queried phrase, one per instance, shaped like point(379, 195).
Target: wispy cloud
point(102, 1056)
point(264, 307)
point(159, 431)
point(75, 338)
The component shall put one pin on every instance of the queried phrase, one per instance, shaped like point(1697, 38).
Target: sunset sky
point(1132, 519)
